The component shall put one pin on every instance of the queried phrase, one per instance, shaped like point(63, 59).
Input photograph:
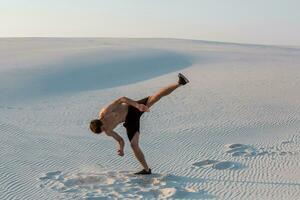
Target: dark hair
point(96, 125)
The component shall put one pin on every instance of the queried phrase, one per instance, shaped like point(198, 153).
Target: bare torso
point(116, 116)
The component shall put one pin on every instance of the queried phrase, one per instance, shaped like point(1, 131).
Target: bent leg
point(161, 93)
point(137, 151)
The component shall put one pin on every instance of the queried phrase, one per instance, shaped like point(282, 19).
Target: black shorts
point(132, 121)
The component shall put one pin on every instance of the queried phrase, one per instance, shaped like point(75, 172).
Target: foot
point(143, 172)
point(182, 79)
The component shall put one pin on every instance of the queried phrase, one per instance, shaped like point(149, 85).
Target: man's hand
point(121, 152)
point(135, 104)
point(143, 108)
point(119, 139)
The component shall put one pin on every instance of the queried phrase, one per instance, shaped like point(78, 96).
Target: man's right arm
point(119, 139)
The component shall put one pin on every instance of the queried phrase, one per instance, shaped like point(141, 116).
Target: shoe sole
point(184, 78)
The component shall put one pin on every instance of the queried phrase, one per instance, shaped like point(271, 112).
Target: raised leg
point(167, 90)
point(161, 93)
point(138, 152)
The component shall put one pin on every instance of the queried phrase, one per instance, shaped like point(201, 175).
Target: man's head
point(96, 126)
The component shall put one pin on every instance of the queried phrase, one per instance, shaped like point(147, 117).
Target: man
point(130, 111)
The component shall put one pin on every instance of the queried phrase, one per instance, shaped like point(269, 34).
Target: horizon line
point(149, 38)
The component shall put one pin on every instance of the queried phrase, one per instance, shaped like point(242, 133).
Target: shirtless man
point(130, 111)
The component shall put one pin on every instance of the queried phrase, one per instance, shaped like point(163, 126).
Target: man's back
point(114, 117)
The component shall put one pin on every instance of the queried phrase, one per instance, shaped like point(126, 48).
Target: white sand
point(232, 133)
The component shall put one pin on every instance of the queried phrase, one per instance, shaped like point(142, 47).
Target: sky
point(241, 21)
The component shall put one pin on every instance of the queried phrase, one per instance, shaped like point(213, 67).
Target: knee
point(134, 145)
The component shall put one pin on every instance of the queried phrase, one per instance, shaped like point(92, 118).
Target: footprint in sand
point(205, 163)
point(218, 165)
point(240, 150)
point(286, 142)
point(243, 150)
point(11, 108)
point(51, 175)
point(227, 165)
point(119, 185)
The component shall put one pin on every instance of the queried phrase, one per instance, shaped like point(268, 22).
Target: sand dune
point(232, 133)
point(78, 68)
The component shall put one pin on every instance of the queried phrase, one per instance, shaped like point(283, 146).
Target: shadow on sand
point(89, 71)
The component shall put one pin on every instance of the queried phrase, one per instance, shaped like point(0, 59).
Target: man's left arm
point(126, 100)
point(135, 104)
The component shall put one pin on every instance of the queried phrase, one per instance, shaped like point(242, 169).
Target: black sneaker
point(143, 172)
point(182, 79)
